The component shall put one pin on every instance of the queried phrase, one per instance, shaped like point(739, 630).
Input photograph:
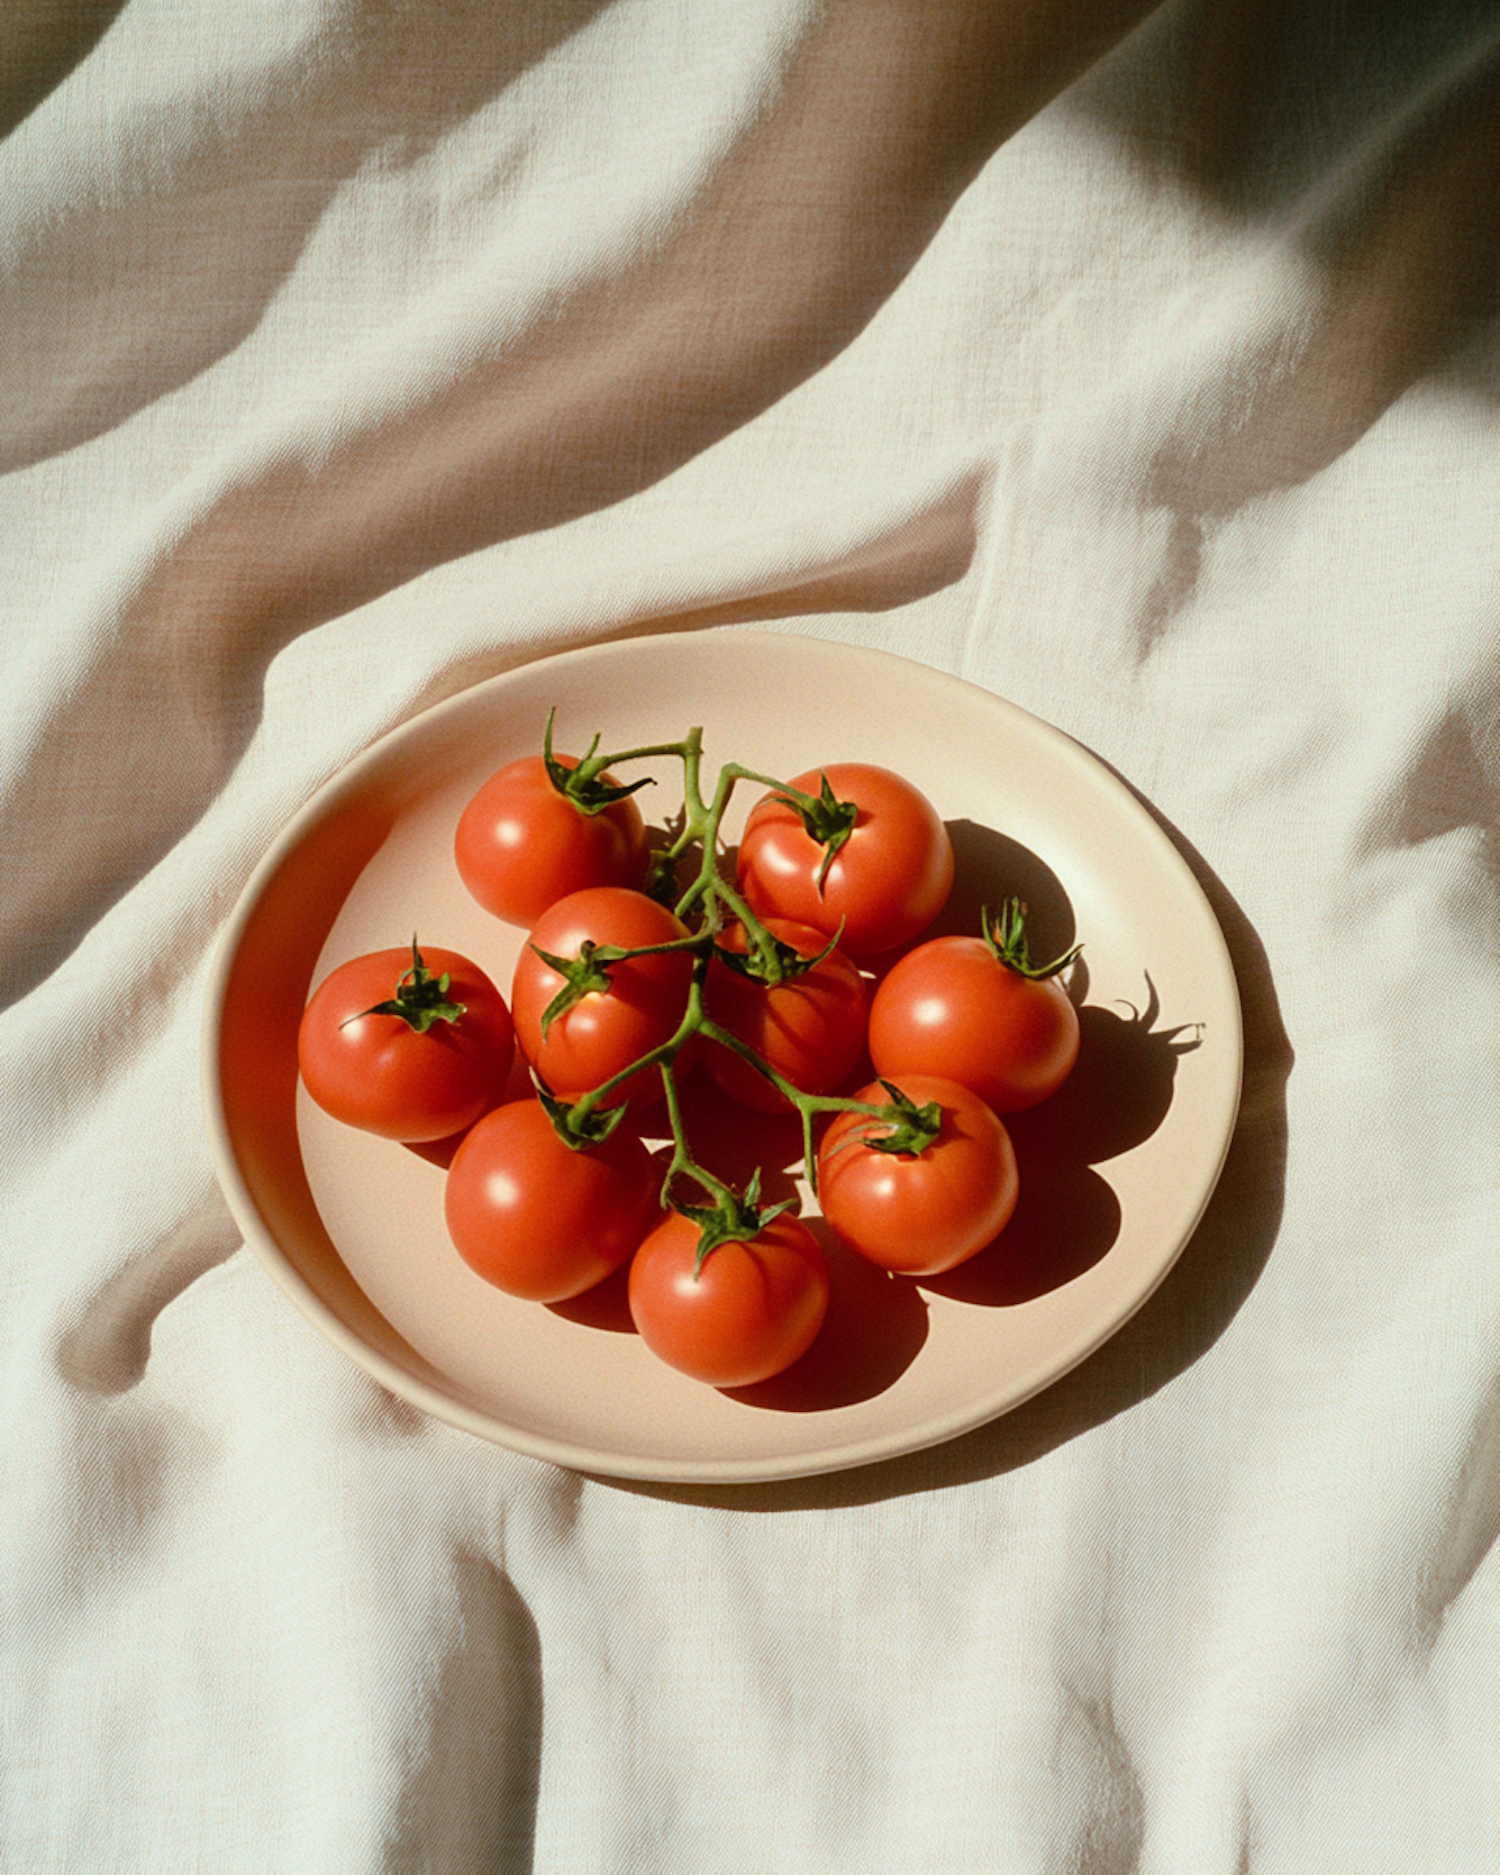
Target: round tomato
point(539, 1220)
point(919, 1213)
point(952, 1008)
point(749, 1312)
point(606, 1029)
point(887, 882)
point(521, 844)
point(412, 1076)
point(811, 1029)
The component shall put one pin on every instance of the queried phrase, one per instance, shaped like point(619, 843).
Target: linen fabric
point(355, 352)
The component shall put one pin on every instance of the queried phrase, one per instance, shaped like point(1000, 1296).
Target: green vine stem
point(712, 896)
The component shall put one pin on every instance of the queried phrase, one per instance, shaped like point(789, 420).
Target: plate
point(1116, 1170)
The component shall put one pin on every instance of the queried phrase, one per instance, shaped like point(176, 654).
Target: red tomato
point(887, 883)
point(539, 1220)
point(752, 1309)
point(811, 1029)
point(521, 845)
point(952, 1008)
point(606, 1030)
point(378, 1072)
point(919, 1213)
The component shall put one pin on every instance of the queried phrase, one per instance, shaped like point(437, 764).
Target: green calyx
point(1006, 937)
point(734, 1217)
point(577, 1131)
point(912, 1130)
point(583, 785)
point(827, 819)
point(770, 961)
point(587, 974)
point(420, 1000)
point(583, 975)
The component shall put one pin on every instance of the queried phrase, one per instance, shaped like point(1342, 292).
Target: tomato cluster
point(629, 978)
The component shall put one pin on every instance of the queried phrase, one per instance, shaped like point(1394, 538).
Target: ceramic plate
point(1116, 1170)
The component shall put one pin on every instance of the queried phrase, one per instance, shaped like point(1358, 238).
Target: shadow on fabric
point(1367, 137)
point(40, 43)
point(812, 213)
point(92, 863)
point(204, 219)
point(471, 1800)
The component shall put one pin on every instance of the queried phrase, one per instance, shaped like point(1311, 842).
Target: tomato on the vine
point(919, 1213)
point(637, 1009)
point(975, 1010)
point(411, 1045)
point(810, 1028)
point(522, 844)
point(751, 1310)
point(537, 1218)
point(892, 864)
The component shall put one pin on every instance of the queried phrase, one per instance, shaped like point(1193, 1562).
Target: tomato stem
point(682, 1163)
point(665, 1054)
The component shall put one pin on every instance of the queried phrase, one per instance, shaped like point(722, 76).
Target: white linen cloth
point(355, 352)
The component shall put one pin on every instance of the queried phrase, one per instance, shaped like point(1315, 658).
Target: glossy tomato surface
point(811, 1029)
point(920, 1213)
point(885, 885)
point(521, 845)
point(539, 1220)
point(607, 1030)
point(378, 1073)
point(952, 1009)
point(752, 1310)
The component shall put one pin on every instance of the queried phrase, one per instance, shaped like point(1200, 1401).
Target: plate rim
point(845, 1455)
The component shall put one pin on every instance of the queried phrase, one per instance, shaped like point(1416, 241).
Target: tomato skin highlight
point(602, 1033)
point(539, 1220)
point(810, 1029)
point(952, 1009)
point(520, 845)
point(752, 1310)
point(886, 884)
point(920, 1214)
point(377, 1073)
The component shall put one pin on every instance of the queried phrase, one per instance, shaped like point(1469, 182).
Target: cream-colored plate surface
point(352, 1227)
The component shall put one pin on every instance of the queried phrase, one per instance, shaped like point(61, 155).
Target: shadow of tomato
point(988, 868)
point(734, 1141)
point(1119, 1091)
point(606, 1306)
point(439, 1152)
point(874, 1330)
point(1067, 1216)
